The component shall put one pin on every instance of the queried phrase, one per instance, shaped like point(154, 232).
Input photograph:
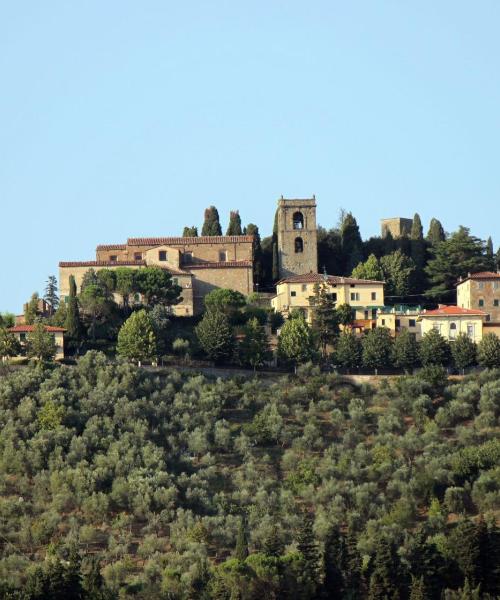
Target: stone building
point(297, 237)
point(198, 264)
point(397, 227)
point(482, 291)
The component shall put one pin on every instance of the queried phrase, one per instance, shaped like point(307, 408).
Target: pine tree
point(463, 351)
point(234, 227)
point(377, 348)
point(464, 547)
point(352, 246)
point(241, 549)
point(190, 231)
point(31, 310)
point(73, 324)
point(436, 233)
point(211, 225)
point(405, 351)
point(325, 324)
point(451, 259)
point(51, 296)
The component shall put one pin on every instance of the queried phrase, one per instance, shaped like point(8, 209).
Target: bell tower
point(297, 237)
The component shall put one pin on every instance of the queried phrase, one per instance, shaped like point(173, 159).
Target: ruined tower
point(297, 237)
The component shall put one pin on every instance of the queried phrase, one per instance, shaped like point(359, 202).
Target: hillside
point(179, 486)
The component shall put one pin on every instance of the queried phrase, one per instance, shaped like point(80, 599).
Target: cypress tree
point(211, 225)
point(385, 577)
point(352, 571)
point(276, 260)
point(463, 351)
point(73, 324)
point(258, 264)
point(241, 549)
point(418, 253)
point(436, 233)
point(490, 254)
point(234, 227)
point(334, 559)
point(308, 548)
point(464, 546)
point(489, 557)
point(352, 246)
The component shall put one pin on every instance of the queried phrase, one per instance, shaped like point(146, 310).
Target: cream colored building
point(400, 318)
point(481, 291)
point(450, 321)
point(363, 295)
point(22, 332)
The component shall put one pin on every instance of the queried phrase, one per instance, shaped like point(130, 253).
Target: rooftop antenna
point(325, 274)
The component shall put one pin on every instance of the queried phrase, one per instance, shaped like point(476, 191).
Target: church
point(202, 264)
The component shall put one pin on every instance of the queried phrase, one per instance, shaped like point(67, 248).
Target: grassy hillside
point(176, 486)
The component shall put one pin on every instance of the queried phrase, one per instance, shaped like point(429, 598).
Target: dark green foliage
point(157, 287)
point(40, 343)
point(73, 324)
point(51, 295)
point(398, 271)
point(351, 244)
point(9, 344)
point(295, 343)
point(488, 351)
point(334, 563)
point(308, 548)
point(211, 224)
point(345, 315)
point(370, 269)
point(465, 550)
point(241, 549)
point(330, 251)
point(418, 254)
point(377, 348)
point(460, 254)
point(258, 258)
point(215, 335)
point(463, 351)
point(136, 339)
point(234, 227)
point(405, 351)
point(436, 234)
point(275, 252)
point(325, 324)
point(348, 350)
point(190, 231)
point(31, 309)
point(224, 300)
point(385, 581)
point(434, 349)
point(254, 347)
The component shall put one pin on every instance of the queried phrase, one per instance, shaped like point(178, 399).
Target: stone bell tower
point(297, 237)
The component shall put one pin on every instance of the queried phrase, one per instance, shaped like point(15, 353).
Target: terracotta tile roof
point(104, 263)
point(112, 247)
point(29, 328)
point(221, 265)
point(331, 279)
point(457, 311)
point(480, 275)
point(181, 241)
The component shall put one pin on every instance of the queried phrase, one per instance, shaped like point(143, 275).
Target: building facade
point(297, 236)
point(363, 295)
point(481, 291)
point(450, 321)
point(197, 264)
point(22, 332)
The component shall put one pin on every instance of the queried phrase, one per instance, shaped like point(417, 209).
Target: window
point(222, 256)
point(304, 287)
point(187, 258)
point(299, 245)
point(112, 258)
point(436, 327)
point(412, 323)
point(366, 314)
point(481, 302)
point(353, 285)
point(495, 302)
point(333, 296)
point(22, 337)
point(470, 330)
point(481, 285)
point(162, 255)
point(374, 313)
point(137, 256)
point(453, 331)
point(398, 322)
point(293, 294)
point(496, 285)
point(383, 322)
point(374, 295)
point(354, 296)
point(298, 220)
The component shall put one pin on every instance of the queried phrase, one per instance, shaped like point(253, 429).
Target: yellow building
point(449, 321)
point(22, 332)
point(481, 291)
point(399, 318)
point(363, 295)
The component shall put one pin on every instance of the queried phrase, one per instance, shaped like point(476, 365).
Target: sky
point(127, 119)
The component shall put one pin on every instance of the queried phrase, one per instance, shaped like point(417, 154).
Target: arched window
point(298, 220)
point(453, 330)
point(299, 245)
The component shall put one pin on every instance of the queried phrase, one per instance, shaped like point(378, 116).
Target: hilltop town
point(402, 288)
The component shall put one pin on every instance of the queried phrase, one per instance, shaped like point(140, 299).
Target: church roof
point(182, 241)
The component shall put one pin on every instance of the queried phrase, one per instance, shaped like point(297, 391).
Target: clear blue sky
point(125, 118)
